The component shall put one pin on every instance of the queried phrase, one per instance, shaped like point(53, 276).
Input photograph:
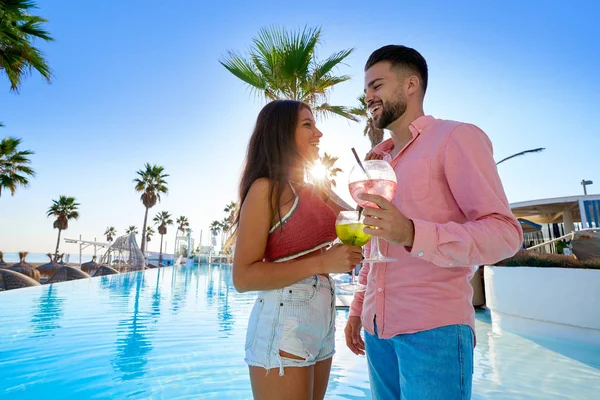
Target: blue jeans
point(427, 365)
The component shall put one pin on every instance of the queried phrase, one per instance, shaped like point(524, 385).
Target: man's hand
point(353, 339)
point(391, 225)
point(371, 155)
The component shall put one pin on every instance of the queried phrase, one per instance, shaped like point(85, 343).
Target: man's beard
point(390, 113)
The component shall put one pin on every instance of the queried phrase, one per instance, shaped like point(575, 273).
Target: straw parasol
point(64, 274)
point(90, 267)
point(25, 268)
point(22, 262)
point(14, 280)
point(47, 270)
point(104, 270)
point(60, 260)
point(2, 263)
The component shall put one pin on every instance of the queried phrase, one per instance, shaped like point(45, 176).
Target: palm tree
point(110, 233)
point(328, 161)
point(538, 150)
point(225, 226)
point(132, 229)
point(215, 227)
point(374, 134)
point(182, 224)
point(283, 65)
point(163, 219)
point(64, 209)
point(18, 28)
point(149, 233)
point(231, 210)
point(151, 183)
point(14, 169)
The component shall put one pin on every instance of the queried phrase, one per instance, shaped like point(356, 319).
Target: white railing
point(548, 246)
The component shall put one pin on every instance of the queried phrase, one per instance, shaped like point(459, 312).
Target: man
point(449, 214)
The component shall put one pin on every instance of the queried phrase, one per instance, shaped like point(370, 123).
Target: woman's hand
point(341, 258)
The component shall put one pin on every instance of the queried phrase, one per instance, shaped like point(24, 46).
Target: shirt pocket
point(414, 179)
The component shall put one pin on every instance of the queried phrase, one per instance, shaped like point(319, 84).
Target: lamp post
point(584, 183)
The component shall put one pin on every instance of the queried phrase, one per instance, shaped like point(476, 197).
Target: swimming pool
point(178, 333)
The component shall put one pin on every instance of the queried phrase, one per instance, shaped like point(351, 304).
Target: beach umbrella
point(22, 262)
point(60, 260)
point(90, 267)
point(64, 274)
point(25, 268)
point(104, 270)
point(48, 269)
point(13, 280)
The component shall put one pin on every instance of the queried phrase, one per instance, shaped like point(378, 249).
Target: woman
point(284, 228)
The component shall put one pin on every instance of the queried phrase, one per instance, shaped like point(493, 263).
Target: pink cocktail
point(382, 187)
point(373, 177)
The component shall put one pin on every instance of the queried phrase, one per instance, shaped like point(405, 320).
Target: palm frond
point(326, 67)
point(282, 64)
point(327, 110)
point(18, 29)
point(14, 165)
point(244, 70)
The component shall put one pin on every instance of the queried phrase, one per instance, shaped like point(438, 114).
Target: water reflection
point(134, 346)
point(219, 284)
point(225, 316)
point(180, 276)
point(47, 312)
point(210, 285)
point(121, 285)
point(156, 297)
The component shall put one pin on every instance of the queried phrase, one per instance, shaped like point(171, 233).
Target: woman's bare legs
point(297, 383)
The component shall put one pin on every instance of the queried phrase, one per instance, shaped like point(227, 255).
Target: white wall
point(555, 302)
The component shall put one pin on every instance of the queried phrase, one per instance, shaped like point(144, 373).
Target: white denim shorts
point(298, 319)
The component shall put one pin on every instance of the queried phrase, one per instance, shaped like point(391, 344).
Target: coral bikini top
point(308, 226)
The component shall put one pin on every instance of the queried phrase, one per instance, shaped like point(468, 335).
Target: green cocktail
point(349, 229)
point(352, 234)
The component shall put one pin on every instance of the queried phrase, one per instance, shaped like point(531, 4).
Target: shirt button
point(451, 264)
point(380, 290)
point(420, 254)
point(420, 130)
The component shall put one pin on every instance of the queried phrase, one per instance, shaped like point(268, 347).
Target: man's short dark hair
point(401, 57)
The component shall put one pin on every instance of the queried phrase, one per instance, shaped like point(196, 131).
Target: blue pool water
point(178, 333)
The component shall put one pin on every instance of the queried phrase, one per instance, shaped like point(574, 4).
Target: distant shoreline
point(12, 258)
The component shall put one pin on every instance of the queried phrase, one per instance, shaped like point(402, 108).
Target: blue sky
point(140, 82)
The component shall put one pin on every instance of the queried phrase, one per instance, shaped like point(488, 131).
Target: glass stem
point(375, 249)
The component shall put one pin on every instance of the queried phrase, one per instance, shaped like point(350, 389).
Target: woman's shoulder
point(264, 188)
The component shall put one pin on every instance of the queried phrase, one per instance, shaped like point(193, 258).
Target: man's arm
point(492, 233)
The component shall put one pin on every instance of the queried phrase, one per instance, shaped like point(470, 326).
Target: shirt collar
point(416, 127)
point(419, 124)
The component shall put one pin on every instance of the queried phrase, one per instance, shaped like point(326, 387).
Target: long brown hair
point(272, 151)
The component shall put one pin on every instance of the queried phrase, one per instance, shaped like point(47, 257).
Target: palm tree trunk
point(175, 251)
point(144, 233)
point(57, 243)
point(160, 254)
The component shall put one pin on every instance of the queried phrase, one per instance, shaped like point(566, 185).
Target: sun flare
point(318, 172)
